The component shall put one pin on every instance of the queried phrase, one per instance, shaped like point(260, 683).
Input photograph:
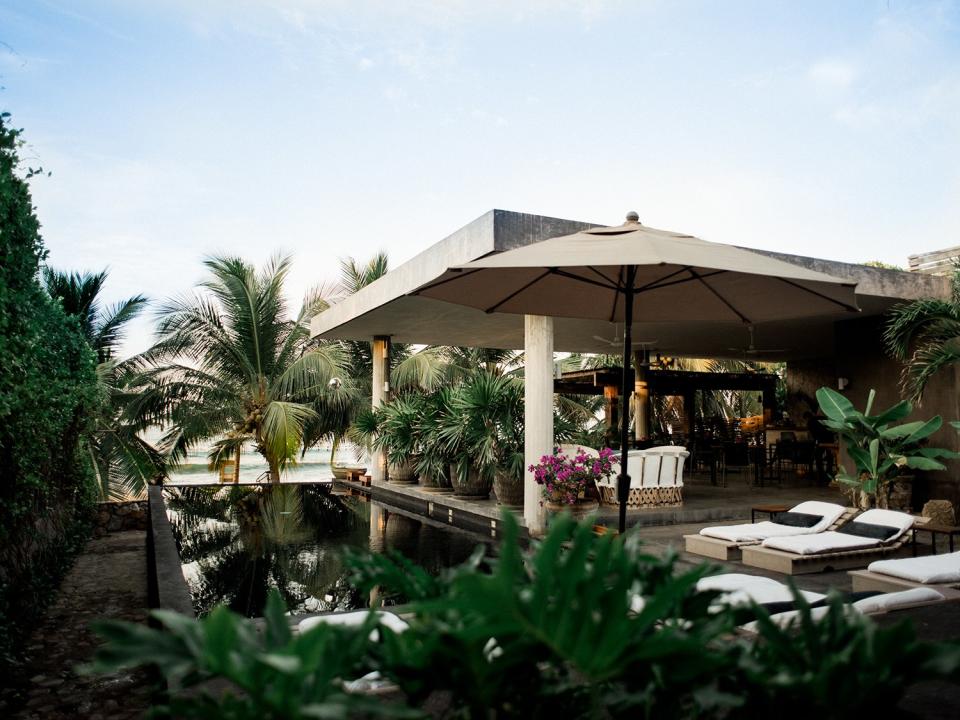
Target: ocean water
point(314, 466)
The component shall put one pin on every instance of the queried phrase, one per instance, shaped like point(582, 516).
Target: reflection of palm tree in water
point(245, 541)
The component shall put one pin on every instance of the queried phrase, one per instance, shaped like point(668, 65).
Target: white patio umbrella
point(632, 273)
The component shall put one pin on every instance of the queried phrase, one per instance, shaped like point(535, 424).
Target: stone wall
point(803, 379)
point(117, 516)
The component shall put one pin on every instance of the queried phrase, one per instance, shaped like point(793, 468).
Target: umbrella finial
point(632, 217)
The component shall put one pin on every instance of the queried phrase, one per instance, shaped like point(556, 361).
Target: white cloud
point(833, 74)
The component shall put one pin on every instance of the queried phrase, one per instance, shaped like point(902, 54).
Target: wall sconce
point(843, 383)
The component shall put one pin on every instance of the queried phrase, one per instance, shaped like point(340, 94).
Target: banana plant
point(881, 449)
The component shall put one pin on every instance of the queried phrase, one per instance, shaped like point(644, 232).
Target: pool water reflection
point(237, 542)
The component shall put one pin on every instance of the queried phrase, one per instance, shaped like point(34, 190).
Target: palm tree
point(232, 366)
point(925, 336)
point(122, 460)
point(79, 295)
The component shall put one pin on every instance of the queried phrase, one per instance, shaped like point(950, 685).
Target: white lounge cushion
point(898, 600)
point(874, 605)
point(891, 518)
point(833, 541)
point(929, 570)
point(730, 582)
point(740, 589)
point(829, 512)
point(787, 618)
point(353, 619)
point(825, 542)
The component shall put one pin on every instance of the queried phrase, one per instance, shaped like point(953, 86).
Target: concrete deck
point(703, 503)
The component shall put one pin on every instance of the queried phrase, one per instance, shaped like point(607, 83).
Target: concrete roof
point(385, 308)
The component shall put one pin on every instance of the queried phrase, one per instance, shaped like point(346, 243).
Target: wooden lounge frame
point(728, 550)
point(865, 581)
point(790, 563)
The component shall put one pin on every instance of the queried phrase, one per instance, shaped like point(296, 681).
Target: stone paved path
point(109, 580)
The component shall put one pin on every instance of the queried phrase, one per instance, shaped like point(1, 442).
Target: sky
point(174, 130)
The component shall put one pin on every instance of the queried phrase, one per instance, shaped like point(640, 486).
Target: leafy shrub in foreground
point(47, 387)
point(554, 631)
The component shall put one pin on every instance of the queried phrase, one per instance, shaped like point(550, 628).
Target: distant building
point(938, 262)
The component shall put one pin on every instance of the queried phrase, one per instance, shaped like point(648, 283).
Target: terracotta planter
point(402, 473)
point(579, 510)
point(509, 489)
point(472, 485)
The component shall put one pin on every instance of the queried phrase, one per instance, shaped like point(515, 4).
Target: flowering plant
point(566, 479)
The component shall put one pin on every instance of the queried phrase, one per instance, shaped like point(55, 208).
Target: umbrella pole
point(623, 486)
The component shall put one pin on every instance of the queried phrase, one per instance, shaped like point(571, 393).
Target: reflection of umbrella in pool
point(634, 273)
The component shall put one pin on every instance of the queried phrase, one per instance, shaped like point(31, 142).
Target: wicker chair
point(656, 478)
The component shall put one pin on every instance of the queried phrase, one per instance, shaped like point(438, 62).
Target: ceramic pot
point(509, 489)
point(402, 473)
point(471, 484)
point(435, 484)
point(579, 510)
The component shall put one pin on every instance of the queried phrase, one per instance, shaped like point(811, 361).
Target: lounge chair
point(725, 542)
point(941, 572)
point(372, 683)
point(872, 535)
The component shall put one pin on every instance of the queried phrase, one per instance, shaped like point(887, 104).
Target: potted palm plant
point(472, 431)
point(390, 428)
point(883, 453)
point(398, 438)
point(434, 459)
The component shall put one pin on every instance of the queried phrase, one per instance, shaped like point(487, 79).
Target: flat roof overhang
point(385, 307)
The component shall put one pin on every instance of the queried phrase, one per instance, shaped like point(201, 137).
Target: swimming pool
point(237, 542)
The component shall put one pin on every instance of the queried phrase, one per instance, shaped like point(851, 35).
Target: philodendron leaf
point(870, 398)
point(834, 405)
point(955, 424)
point(874, 455)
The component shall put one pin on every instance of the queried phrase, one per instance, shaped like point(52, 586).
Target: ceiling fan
point(752, 350)
point(617, 340)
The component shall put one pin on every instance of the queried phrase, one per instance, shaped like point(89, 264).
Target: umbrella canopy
point(631, 272)
point(677, 278)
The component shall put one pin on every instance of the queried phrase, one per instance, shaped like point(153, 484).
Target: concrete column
point(380, 394)
point(641, 406)
point(538, 410)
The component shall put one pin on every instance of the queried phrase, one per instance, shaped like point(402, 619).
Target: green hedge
point(47, 385)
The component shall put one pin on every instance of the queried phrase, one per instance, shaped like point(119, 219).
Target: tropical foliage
point(925, 336)
point(231, 366)
point(474, 420)
point(123, 461)
point(578, 626)
point(48, 389)
point(880, 449)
